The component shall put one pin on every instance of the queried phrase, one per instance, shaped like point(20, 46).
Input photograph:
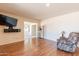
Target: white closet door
point(27, 31)
point(34, 30)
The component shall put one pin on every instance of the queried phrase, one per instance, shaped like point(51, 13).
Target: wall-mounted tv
point(8, 21)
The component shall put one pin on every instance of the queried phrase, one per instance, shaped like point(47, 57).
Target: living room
point(39, 26)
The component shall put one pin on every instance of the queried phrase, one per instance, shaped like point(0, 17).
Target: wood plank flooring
point(40, 47)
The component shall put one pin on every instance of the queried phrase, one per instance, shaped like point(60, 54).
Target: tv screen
point(8, 21)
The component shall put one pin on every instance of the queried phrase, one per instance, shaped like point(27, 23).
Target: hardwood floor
point(40, 47)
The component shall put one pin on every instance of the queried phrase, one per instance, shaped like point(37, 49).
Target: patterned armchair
point(68, 44)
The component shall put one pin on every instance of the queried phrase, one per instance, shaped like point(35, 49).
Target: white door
point(34, 31)
point(27, 33)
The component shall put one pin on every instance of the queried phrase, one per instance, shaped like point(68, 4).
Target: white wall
point(55, 25)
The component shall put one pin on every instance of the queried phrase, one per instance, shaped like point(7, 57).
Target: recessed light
point(47, 4)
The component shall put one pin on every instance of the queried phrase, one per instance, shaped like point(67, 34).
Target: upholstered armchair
point(68, 44)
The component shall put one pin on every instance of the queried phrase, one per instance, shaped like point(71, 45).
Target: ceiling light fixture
point(47, 4)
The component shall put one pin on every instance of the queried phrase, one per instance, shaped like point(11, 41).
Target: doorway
point(30, 31)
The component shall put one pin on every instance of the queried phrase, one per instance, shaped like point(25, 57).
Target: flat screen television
point(8, 21)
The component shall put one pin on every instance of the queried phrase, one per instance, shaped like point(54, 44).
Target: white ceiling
point(39, 10)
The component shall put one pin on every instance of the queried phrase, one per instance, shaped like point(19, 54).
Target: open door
point(30, 31)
